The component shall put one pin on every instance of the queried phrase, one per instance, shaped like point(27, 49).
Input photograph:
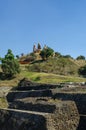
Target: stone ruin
point(33, 106)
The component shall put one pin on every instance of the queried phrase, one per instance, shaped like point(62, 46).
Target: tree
point(80, 57)
point(82, 70)
point(9, 65)
point(46, 52)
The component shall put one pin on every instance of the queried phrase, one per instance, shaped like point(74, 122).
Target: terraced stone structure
point(43, 107)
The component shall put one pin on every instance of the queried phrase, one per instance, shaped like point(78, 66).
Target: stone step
point(12, 119)
point(23, 94)
point(65, 117)
point(79, 98)
point(38, 107)
point(25, 111)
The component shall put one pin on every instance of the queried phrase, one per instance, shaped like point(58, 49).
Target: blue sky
point(60, 24)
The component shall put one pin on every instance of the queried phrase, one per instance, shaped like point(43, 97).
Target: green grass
point(51, 78)
point(41, 78)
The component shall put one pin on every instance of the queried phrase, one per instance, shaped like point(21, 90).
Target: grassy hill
point(55, 65)
point(53, 70)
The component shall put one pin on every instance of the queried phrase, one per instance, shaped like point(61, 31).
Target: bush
point(82, 70)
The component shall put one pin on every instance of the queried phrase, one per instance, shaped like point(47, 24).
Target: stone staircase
point(41, 107)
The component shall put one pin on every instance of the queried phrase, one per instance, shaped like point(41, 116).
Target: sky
point(60, 24)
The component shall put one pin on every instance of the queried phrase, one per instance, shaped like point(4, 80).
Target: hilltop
point(48, 61)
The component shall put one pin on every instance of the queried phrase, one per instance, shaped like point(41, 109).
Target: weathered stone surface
point(65, 117)
point(79, 98)
point(11, 120)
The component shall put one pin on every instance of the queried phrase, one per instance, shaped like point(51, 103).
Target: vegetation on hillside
point(9, 65)
point(62, 66)
point(40, 78)
point(53, 67)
